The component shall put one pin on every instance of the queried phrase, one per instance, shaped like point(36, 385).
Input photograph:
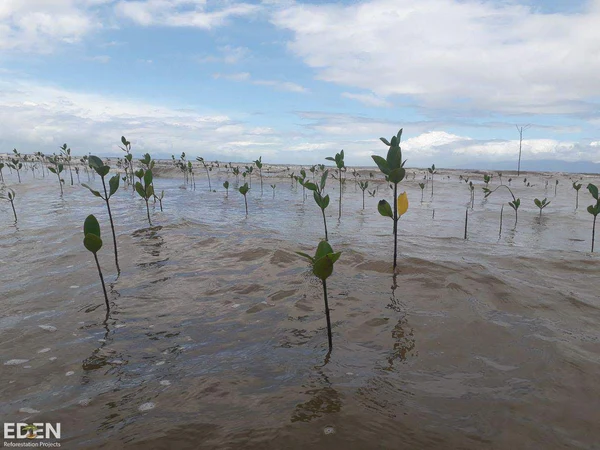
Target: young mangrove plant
point(541, 204)
point(10, 196)
point(57, 169)
point(321, 201)
point(101, 169)
point(432, 172)
point(16, 165)
point(393, 167)
point(129, 171)
point(66, 152)
point(244, 190)
point(516, 202)
point(363, 187)
point(322, 267)
point(339, 162)
point(576, 186)
point(555, 187)
point(273, 186)
point(160, 199)
point(594, 210)
point(146, 190)
point(200, 159)
point(422, 186)
point(259, 166)
point(1, 176)
point(93, 243)
point(226, 186)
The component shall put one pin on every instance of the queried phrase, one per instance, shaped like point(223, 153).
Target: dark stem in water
point(12, 203)
point(501, 212)
point(466, 221)
point(102, 280)
point(395, 223)
point(593, 233)
point(324, 223)
point(246, 203)
point(148, 212)
point(112, 227)
point(327, 315)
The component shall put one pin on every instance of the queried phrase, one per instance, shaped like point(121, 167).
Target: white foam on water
point(69, 373)
point(147, 406)
point(165, 383)
point(44, 350)
point(49, 328)
point(15, 362)
point(28, 410)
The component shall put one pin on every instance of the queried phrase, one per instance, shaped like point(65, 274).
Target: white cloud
point(37, 25)
point(182, 13)
point(279, 85)
point(367, 99)
point(459, 54)
point(229, 55)
point(240, 76)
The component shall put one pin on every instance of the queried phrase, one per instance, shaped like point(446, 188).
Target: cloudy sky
point(295, 81)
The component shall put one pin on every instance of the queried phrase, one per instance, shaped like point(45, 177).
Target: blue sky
point(297, 81)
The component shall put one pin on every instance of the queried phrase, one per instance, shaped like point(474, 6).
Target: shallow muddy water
point(217, 338)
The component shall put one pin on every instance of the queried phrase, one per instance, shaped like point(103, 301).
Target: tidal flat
point(217, 336)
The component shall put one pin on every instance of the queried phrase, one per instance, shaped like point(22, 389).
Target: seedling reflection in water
point(10, 196)
point(594, 210)
point(322, 267)
point(93, 242)
point(244, 190)
point(393, 168)
point(273, 186)
point(101, 169)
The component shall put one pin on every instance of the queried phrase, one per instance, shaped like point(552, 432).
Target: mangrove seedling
point(422, 186)
point(514, 204)
point(259, 166)
point(93, 242)
point(160, 199)
point(66, 152)
point(101, 169)
point(393, 167)
point(321, 201)
point(594, 210)
point(541, 204)
point(199, 158)
point(432, 172)
point(372, 193)
point(339, 162)
point(10, 196)
point(57, 169)
point(363, 187)
point(15, 164)
point(146, 190)
point(576, 186)
point(273, 186)
point(129, 171)
point(1, 176)
point(244, 190)
point(322, 267)
point(226, 186)
point(555, 187)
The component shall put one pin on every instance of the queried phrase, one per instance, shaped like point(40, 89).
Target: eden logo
point(31, 431)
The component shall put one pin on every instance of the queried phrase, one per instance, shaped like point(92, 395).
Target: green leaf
point(96, 193)
point(51, 169)
point(60, 168)
point(92, 242)
point(226, 184)
point(148, 177)
point(381, 163)
point(537, 203)
point(594, 210)
point(593, 190)
point(140, 189)
point(102, 171)
point(123, 140)
point(385, 209)
point(310, 258)
point(394, 157)
point(324, 179)
point(129, 157)
point(95, 162)
point(385, 141)
point(114, 185)
point(310, 186)
point(244, 189)
point(91, 225)
point(397, 175)
point(323, 268)
point(325, 203)
point(323, 249)
point(329, 158)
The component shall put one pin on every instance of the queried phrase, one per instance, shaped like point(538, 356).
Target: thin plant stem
point(102, 280)
point(112, 227)
point(395, 223)
point(12, 203)
point(246, 203)
point(466, 221)
point(325, 224)
point(148, 212)
point(327, 315)
point(593, 233)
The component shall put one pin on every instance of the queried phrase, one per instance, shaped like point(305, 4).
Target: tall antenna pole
point(520, 130)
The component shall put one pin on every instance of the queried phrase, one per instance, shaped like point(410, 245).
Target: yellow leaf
point(402, 203)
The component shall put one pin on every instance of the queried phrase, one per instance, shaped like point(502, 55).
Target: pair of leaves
point(323, 261)
point(10, 195)
point(113, 187)
point(594, 210)
point(576, 186)
point(431, 170)
point(226, 184)
point(91, 233)
point(99, 167)
point(422, 186)
point(338, 159)
point(363, 185)
point(322, 202)
point(244, 189)
point(515, 204)
point(541, 204)
point(258, 162)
